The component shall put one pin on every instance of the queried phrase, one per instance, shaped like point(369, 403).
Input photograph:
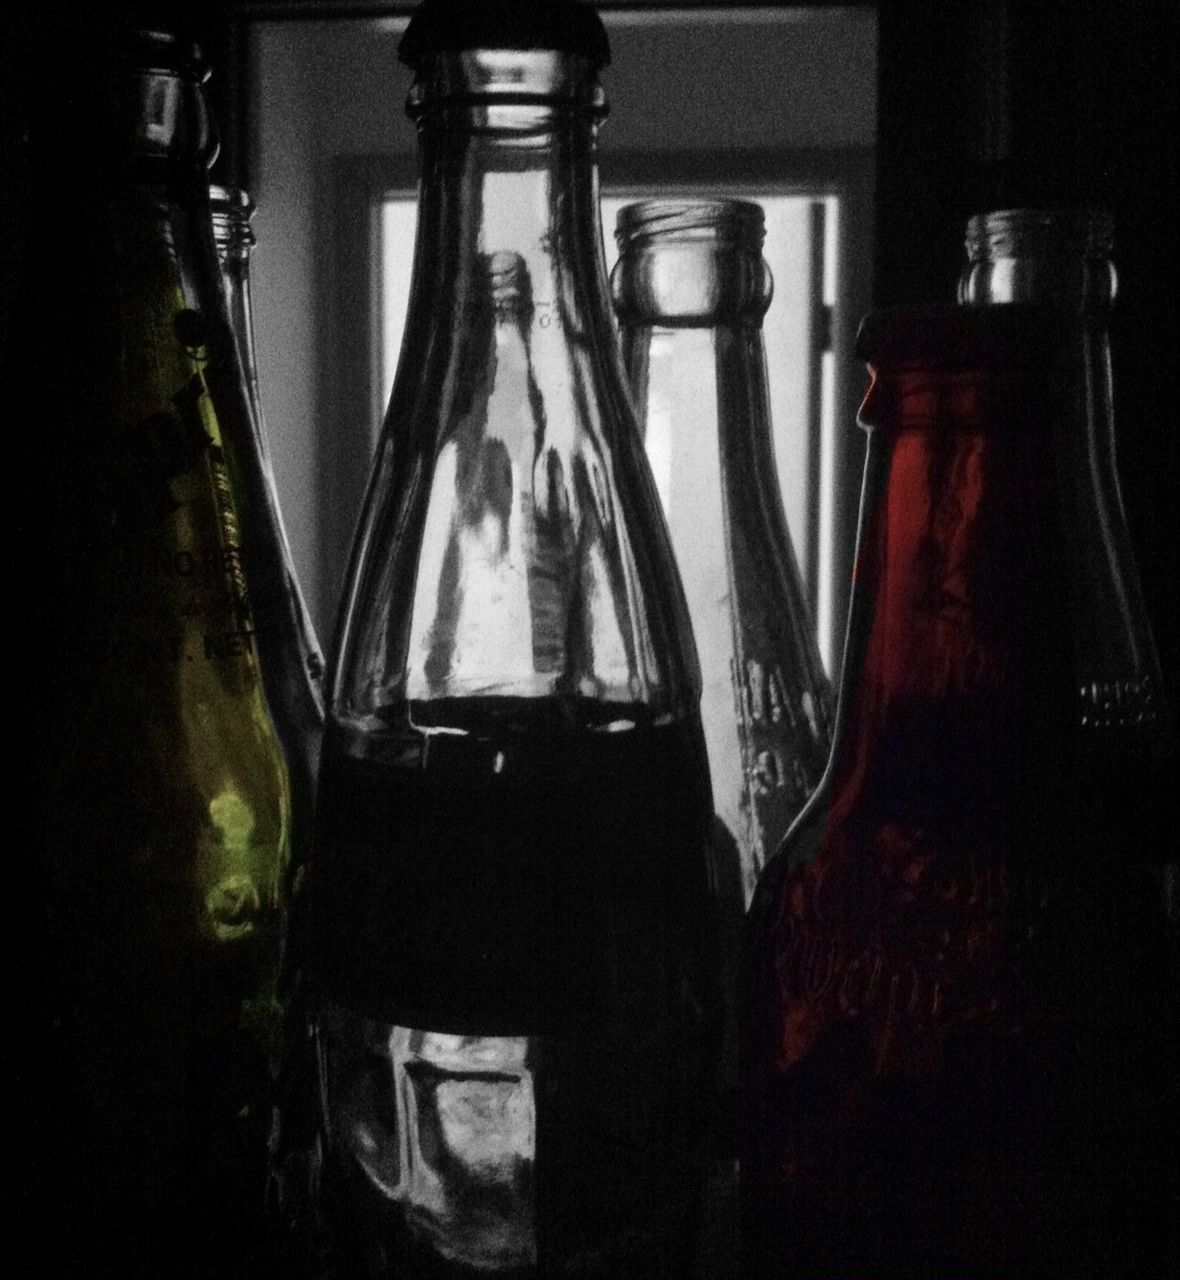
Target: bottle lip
point(1039, 232)
point(951, 368)
point(492, 83)
point(127, 95)
point(509, 289)
point(452, 26)
point(726, 221)
point(231, 209)
point(166, 52)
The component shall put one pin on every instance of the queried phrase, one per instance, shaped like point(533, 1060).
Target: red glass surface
point(961, 973)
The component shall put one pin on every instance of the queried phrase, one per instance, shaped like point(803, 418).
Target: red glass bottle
point(961, 971)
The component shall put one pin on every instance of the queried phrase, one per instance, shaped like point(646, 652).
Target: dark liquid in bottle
point(515, 1044)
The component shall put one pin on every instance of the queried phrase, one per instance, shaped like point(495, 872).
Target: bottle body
point(512, 1001)
point(518, 1087)
point(960, 966)
point(172, 715)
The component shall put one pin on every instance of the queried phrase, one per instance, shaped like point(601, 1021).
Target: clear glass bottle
point(690, 290)
point(514, 997)
point(960, 965)
point(232, 212)
point(168, 712)
point(1062, 258)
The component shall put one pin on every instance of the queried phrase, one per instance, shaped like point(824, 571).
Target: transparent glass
point(170, 711)
point(232, 212)
point(690, 291)
point(1062, 257)
point(515, 1000)
point(960, 965)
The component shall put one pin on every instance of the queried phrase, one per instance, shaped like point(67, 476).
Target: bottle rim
point(166, 52)
point(493, 84)
point(1039, 232)
point(452, 26)
point(231, 209)
point(727, 221)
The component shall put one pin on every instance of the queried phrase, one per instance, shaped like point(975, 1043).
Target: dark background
point(982, 104)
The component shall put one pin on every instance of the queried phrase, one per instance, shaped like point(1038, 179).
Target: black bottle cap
point(566, 26)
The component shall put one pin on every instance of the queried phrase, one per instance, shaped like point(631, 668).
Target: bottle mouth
point(166, 53)
point(1019, 233)
point(691, 263)
point(570, 26)
point(506, 277)
point(730, 223)
point(124, 95)
point(232, 210)
point(495, 82)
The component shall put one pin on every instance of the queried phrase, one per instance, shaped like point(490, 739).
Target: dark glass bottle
point(233, 232)
point(512, 1001)
point(961, 972)
point(1062, 258)
point(169, 707)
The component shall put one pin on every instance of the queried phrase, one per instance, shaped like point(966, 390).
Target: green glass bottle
point(170, 705)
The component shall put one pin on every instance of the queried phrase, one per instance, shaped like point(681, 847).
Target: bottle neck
point(508, 150)
point(234, 238)
point(690, 290)
point(959, 670)
point(132, 105)
point(1061, 258)
point(530, 561)
point(1056, 256)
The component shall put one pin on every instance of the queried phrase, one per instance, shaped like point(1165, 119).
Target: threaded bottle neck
point(691, 264)
point(1056, 256)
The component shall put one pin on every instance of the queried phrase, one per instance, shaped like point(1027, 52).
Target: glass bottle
point(513, 990)
point(690, 290)
point(960, 968)
point(1062, 258)
point(168, 708)
point(232, 212)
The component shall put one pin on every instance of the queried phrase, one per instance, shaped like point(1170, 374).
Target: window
point(769, 103)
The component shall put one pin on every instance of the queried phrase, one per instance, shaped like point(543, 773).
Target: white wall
point(699, 81)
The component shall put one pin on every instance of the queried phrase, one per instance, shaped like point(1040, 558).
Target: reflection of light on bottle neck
point(657, 428)
point(1060, 256)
